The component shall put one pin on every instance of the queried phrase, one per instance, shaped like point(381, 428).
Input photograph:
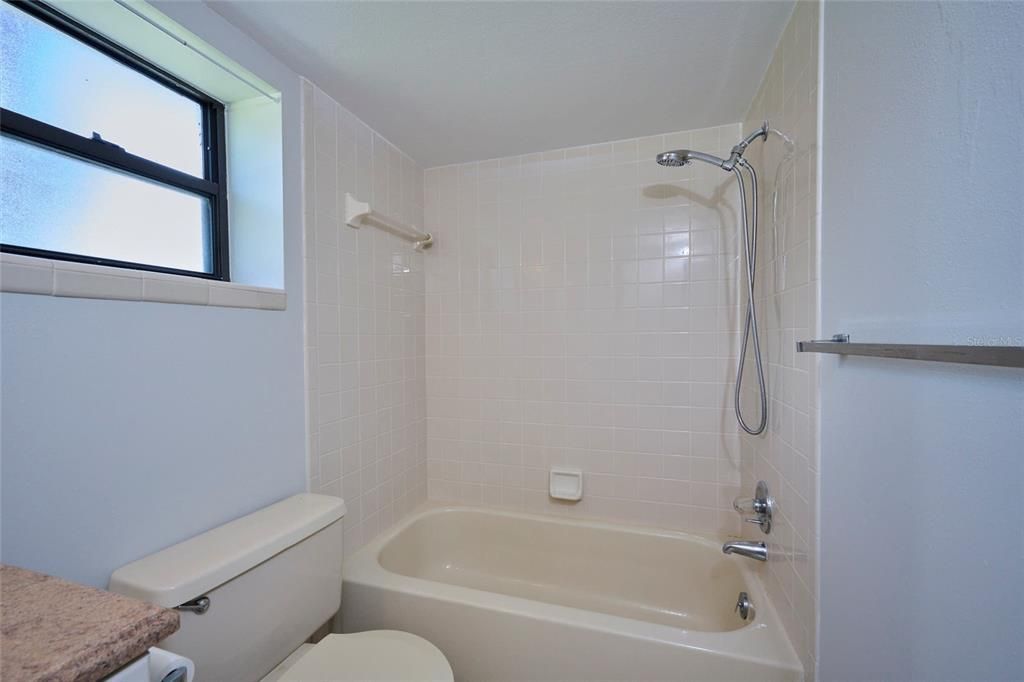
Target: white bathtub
point(509, 596)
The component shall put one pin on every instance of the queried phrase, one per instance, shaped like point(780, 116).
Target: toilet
point(252, 592)
point(375, 655)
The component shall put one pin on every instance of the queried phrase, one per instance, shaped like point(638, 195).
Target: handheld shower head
point(678, 157)
point(681, 157)
point(736, 164)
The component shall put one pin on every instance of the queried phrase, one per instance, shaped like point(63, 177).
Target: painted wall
point(922, 241)
point(127, 427)
point(582, 311)
point(786, 454)
point(365, 323)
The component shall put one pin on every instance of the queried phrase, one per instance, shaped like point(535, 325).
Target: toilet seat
point(378, 656)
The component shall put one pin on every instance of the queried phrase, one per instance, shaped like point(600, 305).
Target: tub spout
point(752, 550)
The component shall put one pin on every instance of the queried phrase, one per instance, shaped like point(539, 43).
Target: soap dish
point(566, 484)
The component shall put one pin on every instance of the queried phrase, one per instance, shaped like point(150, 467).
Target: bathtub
point(511, 596)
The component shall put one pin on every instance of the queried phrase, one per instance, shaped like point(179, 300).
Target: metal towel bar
point(999, 356)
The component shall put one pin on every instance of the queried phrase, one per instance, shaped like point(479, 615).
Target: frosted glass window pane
point(60, 203)
point(56, 79)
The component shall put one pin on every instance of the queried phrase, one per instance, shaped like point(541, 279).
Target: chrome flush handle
point(199, 605)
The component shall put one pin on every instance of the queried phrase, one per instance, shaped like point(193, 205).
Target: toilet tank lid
point(191, 568)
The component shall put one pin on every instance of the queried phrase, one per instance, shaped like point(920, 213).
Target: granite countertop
point(52, 629)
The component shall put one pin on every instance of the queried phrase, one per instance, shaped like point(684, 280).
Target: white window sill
point(27, 275)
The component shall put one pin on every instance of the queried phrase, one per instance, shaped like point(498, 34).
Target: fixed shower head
point(681, 157)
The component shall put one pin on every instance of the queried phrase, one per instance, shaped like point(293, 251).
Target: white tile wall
point(364, 323)
point(581, 310)
point(787, 454)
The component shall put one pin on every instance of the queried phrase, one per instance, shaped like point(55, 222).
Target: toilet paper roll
point(164, 665)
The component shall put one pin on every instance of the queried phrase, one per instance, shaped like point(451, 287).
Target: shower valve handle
point(761, 505)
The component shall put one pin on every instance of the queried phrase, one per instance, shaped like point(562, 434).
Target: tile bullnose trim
point(28, 275)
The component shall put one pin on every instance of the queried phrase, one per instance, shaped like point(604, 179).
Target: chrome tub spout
point(752, 550)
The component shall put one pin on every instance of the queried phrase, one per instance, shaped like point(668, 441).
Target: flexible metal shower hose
point(750, 331)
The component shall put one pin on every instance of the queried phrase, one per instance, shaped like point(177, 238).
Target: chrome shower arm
point(737, 152)
point(761, 132)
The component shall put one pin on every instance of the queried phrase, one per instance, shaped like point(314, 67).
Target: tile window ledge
point(28, 275)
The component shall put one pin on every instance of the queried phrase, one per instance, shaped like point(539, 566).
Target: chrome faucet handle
point(761, 505)
point(749, 505)
point(744, 505)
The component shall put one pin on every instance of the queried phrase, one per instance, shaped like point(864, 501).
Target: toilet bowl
point(378, 655)
point(252, 591)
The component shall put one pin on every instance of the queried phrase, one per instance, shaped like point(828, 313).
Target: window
point(105, 158)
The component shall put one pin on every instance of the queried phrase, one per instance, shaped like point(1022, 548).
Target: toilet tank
point(272, 577)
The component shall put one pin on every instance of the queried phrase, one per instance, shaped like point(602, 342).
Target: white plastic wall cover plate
point(566, 484)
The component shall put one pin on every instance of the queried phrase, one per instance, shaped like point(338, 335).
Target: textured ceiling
point(462, 81)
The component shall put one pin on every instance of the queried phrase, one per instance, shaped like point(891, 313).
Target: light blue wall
point(922, 240)
point(127, 427)
point(130, 426)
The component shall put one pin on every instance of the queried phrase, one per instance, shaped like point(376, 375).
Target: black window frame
point(212, 186)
